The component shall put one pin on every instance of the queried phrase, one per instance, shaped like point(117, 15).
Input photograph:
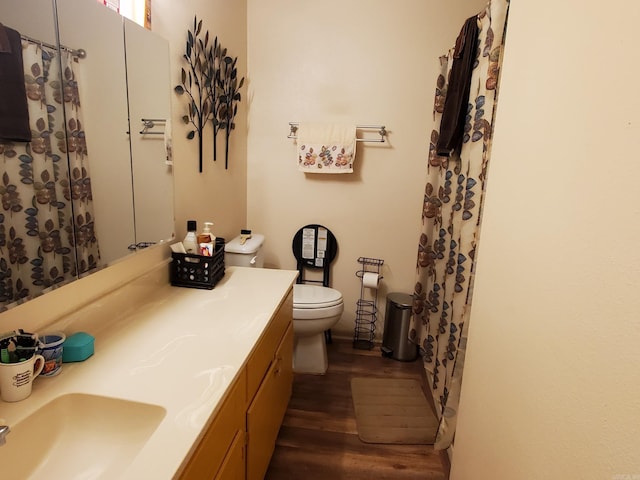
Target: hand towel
point(457, 99)
point(326, 148)
point(168, 143)
point(14, 112)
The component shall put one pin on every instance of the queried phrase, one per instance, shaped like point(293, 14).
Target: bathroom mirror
point(123, 81)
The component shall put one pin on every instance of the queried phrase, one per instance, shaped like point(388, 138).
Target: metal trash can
point(395, 339)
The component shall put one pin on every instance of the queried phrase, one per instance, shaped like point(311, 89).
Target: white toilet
point(244, 254)
point(316, 308)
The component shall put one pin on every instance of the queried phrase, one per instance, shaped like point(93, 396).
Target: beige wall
point(216, 194)
point(363, 62)
point(551, 387)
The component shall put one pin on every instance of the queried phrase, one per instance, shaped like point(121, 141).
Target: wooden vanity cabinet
point(241, 437)
point(269, 384)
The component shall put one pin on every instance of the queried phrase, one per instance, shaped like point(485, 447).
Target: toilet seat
point(311, 302)
point(315, 296)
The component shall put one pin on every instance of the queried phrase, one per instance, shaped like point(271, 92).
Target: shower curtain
point(79, 193)
point(450, 224)
point(42, 194)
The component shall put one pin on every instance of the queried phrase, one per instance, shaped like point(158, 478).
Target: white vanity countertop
point(180, 350)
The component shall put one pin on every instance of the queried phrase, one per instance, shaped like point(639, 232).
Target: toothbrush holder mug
point(16, 379)
point(51, 350)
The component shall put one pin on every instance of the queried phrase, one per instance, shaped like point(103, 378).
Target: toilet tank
point(248, 255)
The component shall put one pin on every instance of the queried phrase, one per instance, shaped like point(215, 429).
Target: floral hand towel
point(326, 147)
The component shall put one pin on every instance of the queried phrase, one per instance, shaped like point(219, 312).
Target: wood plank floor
point(318, 439)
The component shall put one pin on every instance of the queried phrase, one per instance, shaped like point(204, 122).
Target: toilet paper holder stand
point(367, 305)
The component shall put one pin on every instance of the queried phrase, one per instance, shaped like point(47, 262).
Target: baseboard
point(343, 337)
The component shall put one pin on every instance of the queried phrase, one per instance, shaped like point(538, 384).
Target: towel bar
point(382, 131)
point(150, 123)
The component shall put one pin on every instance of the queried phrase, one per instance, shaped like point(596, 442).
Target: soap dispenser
point(206, 240)
point(190, 242)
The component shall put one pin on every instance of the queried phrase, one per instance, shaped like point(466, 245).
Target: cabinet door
point(267, 410)
point(217, 442)
point(233, 467)
point(263, 356)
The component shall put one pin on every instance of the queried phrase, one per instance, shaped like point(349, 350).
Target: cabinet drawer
point(262, 355)
point(219, 436)
point(268, 408)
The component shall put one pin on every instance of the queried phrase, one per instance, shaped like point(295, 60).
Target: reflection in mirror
point(129, 80)
point(148, 85)
point(103, 96)
point(36, 231)
point(120, 200)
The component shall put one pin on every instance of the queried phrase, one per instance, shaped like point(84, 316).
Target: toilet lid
point(315, 296)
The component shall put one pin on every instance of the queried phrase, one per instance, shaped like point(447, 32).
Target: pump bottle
point(206, 241)
point(190, 242)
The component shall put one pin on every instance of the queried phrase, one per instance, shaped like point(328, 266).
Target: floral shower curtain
point(79, 193)
point(451, 221)
point(39, 198)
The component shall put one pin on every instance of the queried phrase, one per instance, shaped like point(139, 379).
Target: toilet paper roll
point(370, 280)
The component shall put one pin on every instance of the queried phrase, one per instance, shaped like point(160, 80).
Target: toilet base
point(310, 354)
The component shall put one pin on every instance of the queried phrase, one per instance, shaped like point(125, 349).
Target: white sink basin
point(78, 436)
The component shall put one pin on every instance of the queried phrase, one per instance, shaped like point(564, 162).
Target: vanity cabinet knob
point(278, 368)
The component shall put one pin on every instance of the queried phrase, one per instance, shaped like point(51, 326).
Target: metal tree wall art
point(228, 99)
point(215, 55)
point(194, 82)
point(211, 82)
point(224, 91)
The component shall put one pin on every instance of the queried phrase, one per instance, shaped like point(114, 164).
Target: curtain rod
point(80, 53)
